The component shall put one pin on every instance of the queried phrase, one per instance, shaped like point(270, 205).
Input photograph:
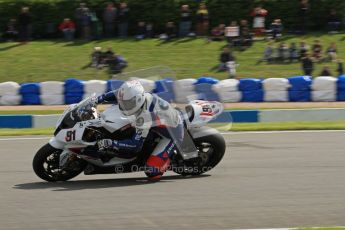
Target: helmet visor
point(128, 105)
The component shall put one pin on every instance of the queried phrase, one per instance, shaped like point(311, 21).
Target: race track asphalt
point(266, 180)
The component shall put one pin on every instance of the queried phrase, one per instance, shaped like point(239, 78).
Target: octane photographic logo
point(178, 169)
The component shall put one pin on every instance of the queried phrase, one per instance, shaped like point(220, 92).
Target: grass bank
point(189, 58)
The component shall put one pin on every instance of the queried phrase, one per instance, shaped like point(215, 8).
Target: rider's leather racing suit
point(156, 115)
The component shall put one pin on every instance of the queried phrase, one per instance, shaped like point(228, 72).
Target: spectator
point(96, 26)
point(333, 22)
point(259, 15)
point(245, 35)
point(24, 22)
point(141, 31)
point(202, 18)
point(317, 49)
point(276, 28)
point(79, 17)
point(340, 68)
point(283, 52)
point(185, 21)
point(149, 30)
point(268, 53)
point(303, 49)
point(85, 23)
point(96, 57)
point(304, 9)
point(11, 31)
point(307, 65)
point(109, 17)
point(225, 57)
point(123, 18)
point(293, 52)
point(217, 33)
point(325, 72)
point(68, 28)
point(332, 52)
point(170, 30)
point(232, 33)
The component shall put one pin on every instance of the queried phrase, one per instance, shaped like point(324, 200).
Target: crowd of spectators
point(284, 53)
point(114, 21)
point(304, 53)
point(115, 18)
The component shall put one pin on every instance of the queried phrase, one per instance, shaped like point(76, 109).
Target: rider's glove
point(105, 144)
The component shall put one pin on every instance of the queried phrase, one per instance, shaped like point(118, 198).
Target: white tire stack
point(227, 90)
point(96, 87)
point(276, 89)
point(9, 93)
point(185, 90)
point(52, 93)
point(324, 89)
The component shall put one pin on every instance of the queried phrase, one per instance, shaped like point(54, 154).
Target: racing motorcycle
point(71, 150)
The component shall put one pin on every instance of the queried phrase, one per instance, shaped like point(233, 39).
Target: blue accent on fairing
point(153, 103)
point(17, 121)
point(134, 144)
point(238, 116)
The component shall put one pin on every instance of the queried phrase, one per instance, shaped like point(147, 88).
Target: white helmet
point(131, 97)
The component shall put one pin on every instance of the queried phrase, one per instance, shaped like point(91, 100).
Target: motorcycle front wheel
point(46, 165)
point(211, 150)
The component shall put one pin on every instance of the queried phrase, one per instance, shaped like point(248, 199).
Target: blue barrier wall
point(238, 116)
point(15, 121)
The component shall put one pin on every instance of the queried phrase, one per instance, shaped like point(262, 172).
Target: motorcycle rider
point(152, 114)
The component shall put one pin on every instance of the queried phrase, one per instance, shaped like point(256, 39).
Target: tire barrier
point(293, 89)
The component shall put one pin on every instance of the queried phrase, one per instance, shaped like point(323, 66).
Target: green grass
point(58, 60)
point(264, 126)
point(23, 132)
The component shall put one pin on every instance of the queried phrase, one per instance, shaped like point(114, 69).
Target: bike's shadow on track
point(100, 183)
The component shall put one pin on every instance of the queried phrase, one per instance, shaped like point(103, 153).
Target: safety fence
point(293, 89)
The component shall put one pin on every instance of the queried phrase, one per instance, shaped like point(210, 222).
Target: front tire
point(46, 165)
point(211, 150)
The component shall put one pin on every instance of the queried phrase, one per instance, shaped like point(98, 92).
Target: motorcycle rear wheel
point(46, 165)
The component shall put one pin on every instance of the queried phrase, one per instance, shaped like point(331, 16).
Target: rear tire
point(211, 151)
point(46, 165)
